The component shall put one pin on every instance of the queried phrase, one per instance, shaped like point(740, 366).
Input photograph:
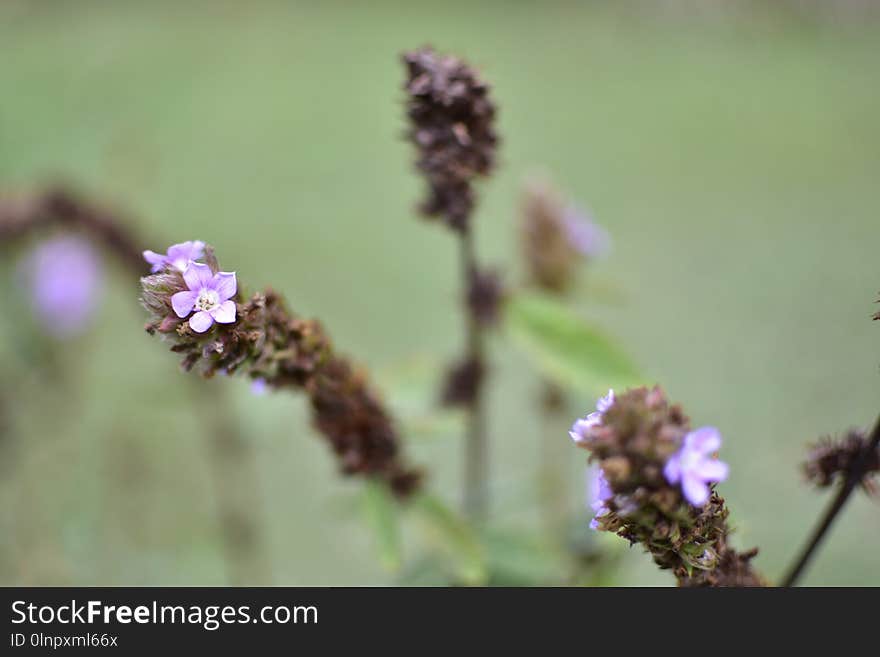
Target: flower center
point(208, 299)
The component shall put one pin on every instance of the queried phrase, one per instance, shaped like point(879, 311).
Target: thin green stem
point(476, 450)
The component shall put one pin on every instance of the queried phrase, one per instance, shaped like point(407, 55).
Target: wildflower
point(556, 237)
point(695, 467)
point(581, 426)
point(177, 257)
point(584, 235)
point(259, 387)
point(262, 340)
point(599, 494)
point(209, 294)
point(654, 487)
point(64, 280)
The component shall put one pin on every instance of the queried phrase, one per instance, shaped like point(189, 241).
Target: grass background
point(733, 157)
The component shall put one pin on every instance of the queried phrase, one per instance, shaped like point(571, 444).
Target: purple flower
point(599, 494)
point(695, 466)
point(64, 279)
point(586, 236)
point(209, 295)
point(581, 426)
point(259, 387)
point(177, 257)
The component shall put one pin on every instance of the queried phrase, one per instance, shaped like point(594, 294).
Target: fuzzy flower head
point(209, 297)
point(694, 466)
point(177, 257)
point(654, 487)
point(556, 237)
point(63, 277)
point(581, 426)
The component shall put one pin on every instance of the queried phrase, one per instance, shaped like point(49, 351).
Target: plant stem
point(476, 451)
point(552, 478)
point(849, 485)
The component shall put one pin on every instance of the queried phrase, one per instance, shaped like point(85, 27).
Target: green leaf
point(565, 348)
point(381, 514)
point(455, 537)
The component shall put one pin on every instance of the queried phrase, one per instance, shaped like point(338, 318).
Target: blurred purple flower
point(695, 465)
point(177, 257)
point(209, 295)
point(259, 387)
point(64, 278)
point(586, 236)
point(582, 425)
point(598, 494)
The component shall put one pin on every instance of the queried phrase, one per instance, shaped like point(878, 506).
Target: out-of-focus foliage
point(565, 348)
point(731, 154)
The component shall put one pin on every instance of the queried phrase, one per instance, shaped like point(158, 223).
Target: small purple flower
point(259, 387)
point(209, 295)
point(177, 257)
point(64, 279)
point(586, 236)
point(581, 426)
point(599, 494)
point(695, 466)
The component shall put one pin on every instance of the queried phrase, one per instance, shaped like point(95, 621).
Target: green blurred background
point(732, 155)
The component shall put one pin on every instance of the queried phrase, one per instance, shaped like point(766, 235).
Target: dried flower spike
point(655, 487)
point(451, 118)
point(832, 459)
point(262, 339)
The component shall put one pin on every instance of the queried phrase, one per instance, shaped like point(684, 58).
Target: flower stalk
point(855, 474)
point(203, 315)
point(452, 127)
point(26, 214)
point(656, 487)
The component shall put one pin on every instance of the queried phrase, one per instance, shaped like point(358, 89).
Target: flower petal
point(605, 402)
point(155, 259)
point(225, 284)
point(183, 302)
point(704, 440)
point(695, 489)
point(711, 470)
point(190, 250)
point(224, 313)
point(672, 469)
point(201, 321)
point(197, 276)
